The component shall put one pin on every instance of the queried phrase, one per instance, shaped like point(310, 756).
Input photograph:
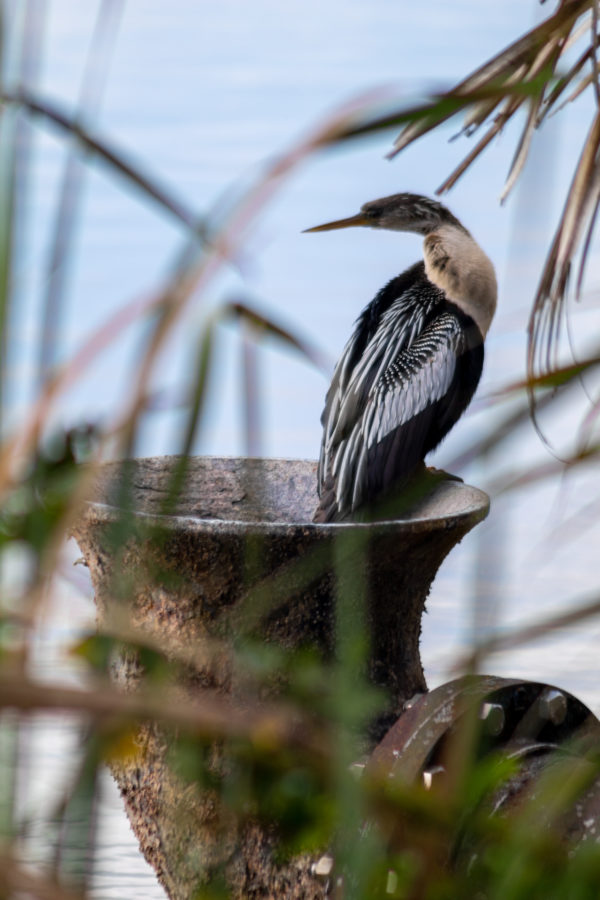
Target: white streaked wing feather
point(399, 327)
point(419, 377)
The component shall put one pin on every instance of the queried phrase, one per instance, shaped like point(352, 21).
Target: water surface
point(203, 94)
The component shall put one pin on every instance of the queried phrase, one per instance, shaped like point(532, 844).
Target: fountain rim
point(98, 512)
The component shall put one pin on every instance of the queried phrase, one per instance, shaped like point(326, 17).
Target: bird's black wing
point(410, 405)
point(381, 333)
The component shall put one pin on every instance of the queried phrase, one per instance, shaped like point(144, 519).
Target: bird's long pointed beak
point(359, 219)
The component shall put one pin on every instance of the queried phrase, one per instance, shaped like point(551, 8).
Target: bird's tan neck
point(457, 264)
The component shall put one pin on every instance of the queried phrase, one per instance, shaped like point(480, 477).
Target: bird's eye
point(372, 212)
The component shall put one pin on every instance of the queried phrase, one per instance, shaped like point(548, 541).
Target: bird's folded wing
point(353, 378)
point(389, 435)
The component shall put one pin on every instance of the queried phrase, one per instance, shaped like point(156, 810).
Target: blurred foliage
point(286, 762)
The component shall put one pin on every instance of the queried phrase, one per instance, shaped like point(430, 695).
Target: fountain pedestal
point(237, 554)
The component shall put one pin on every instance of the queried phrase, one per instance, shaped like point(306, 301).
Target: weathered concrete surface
point(239, 552)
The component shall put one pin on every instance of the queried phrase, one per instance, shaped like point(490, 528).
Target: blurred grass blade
point(74, 854)
point(251, 391)
point(17, 880)
point(64, 229)
point(203, 358)
point(350, 687)
point(9, 176)
point(504, 430)
point(588, 456)
point(262, 325)
point(15, 159)
point(555, 378)
point(524, 634)
point(10, 737)
point(101, 150)
point(207, 715)
point(257, 327)
point(254, 327)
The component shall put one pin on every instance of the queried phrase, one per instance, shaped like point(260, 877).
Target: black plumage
point(405, 377)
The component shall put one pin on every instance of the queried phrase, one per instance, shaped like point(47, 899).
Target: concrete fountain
point(191, 574)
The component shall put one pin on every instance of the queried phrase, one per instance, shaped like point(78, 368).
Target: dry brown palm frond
point(591, 78)
point(526, 75)
point(564, 81)
point(584, 23)
point(522, 151)
point(586, 248)
point(577, 216)
point(480, 112)
point(533, 51)
point(547, 57)
point(594, 49)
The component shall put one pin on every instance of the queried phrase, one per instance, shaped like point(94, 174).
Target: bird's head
point(399, 212)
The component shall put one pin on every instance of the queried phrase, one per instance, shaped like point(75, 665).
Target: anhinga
point(412, 364)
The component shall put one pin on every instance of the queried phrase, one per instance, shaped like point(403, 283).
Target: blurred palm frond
point(533, 76)
point(536, 60)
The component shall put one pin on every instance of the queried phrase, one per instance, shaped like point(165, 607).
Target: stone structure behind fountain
point(191, 575)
